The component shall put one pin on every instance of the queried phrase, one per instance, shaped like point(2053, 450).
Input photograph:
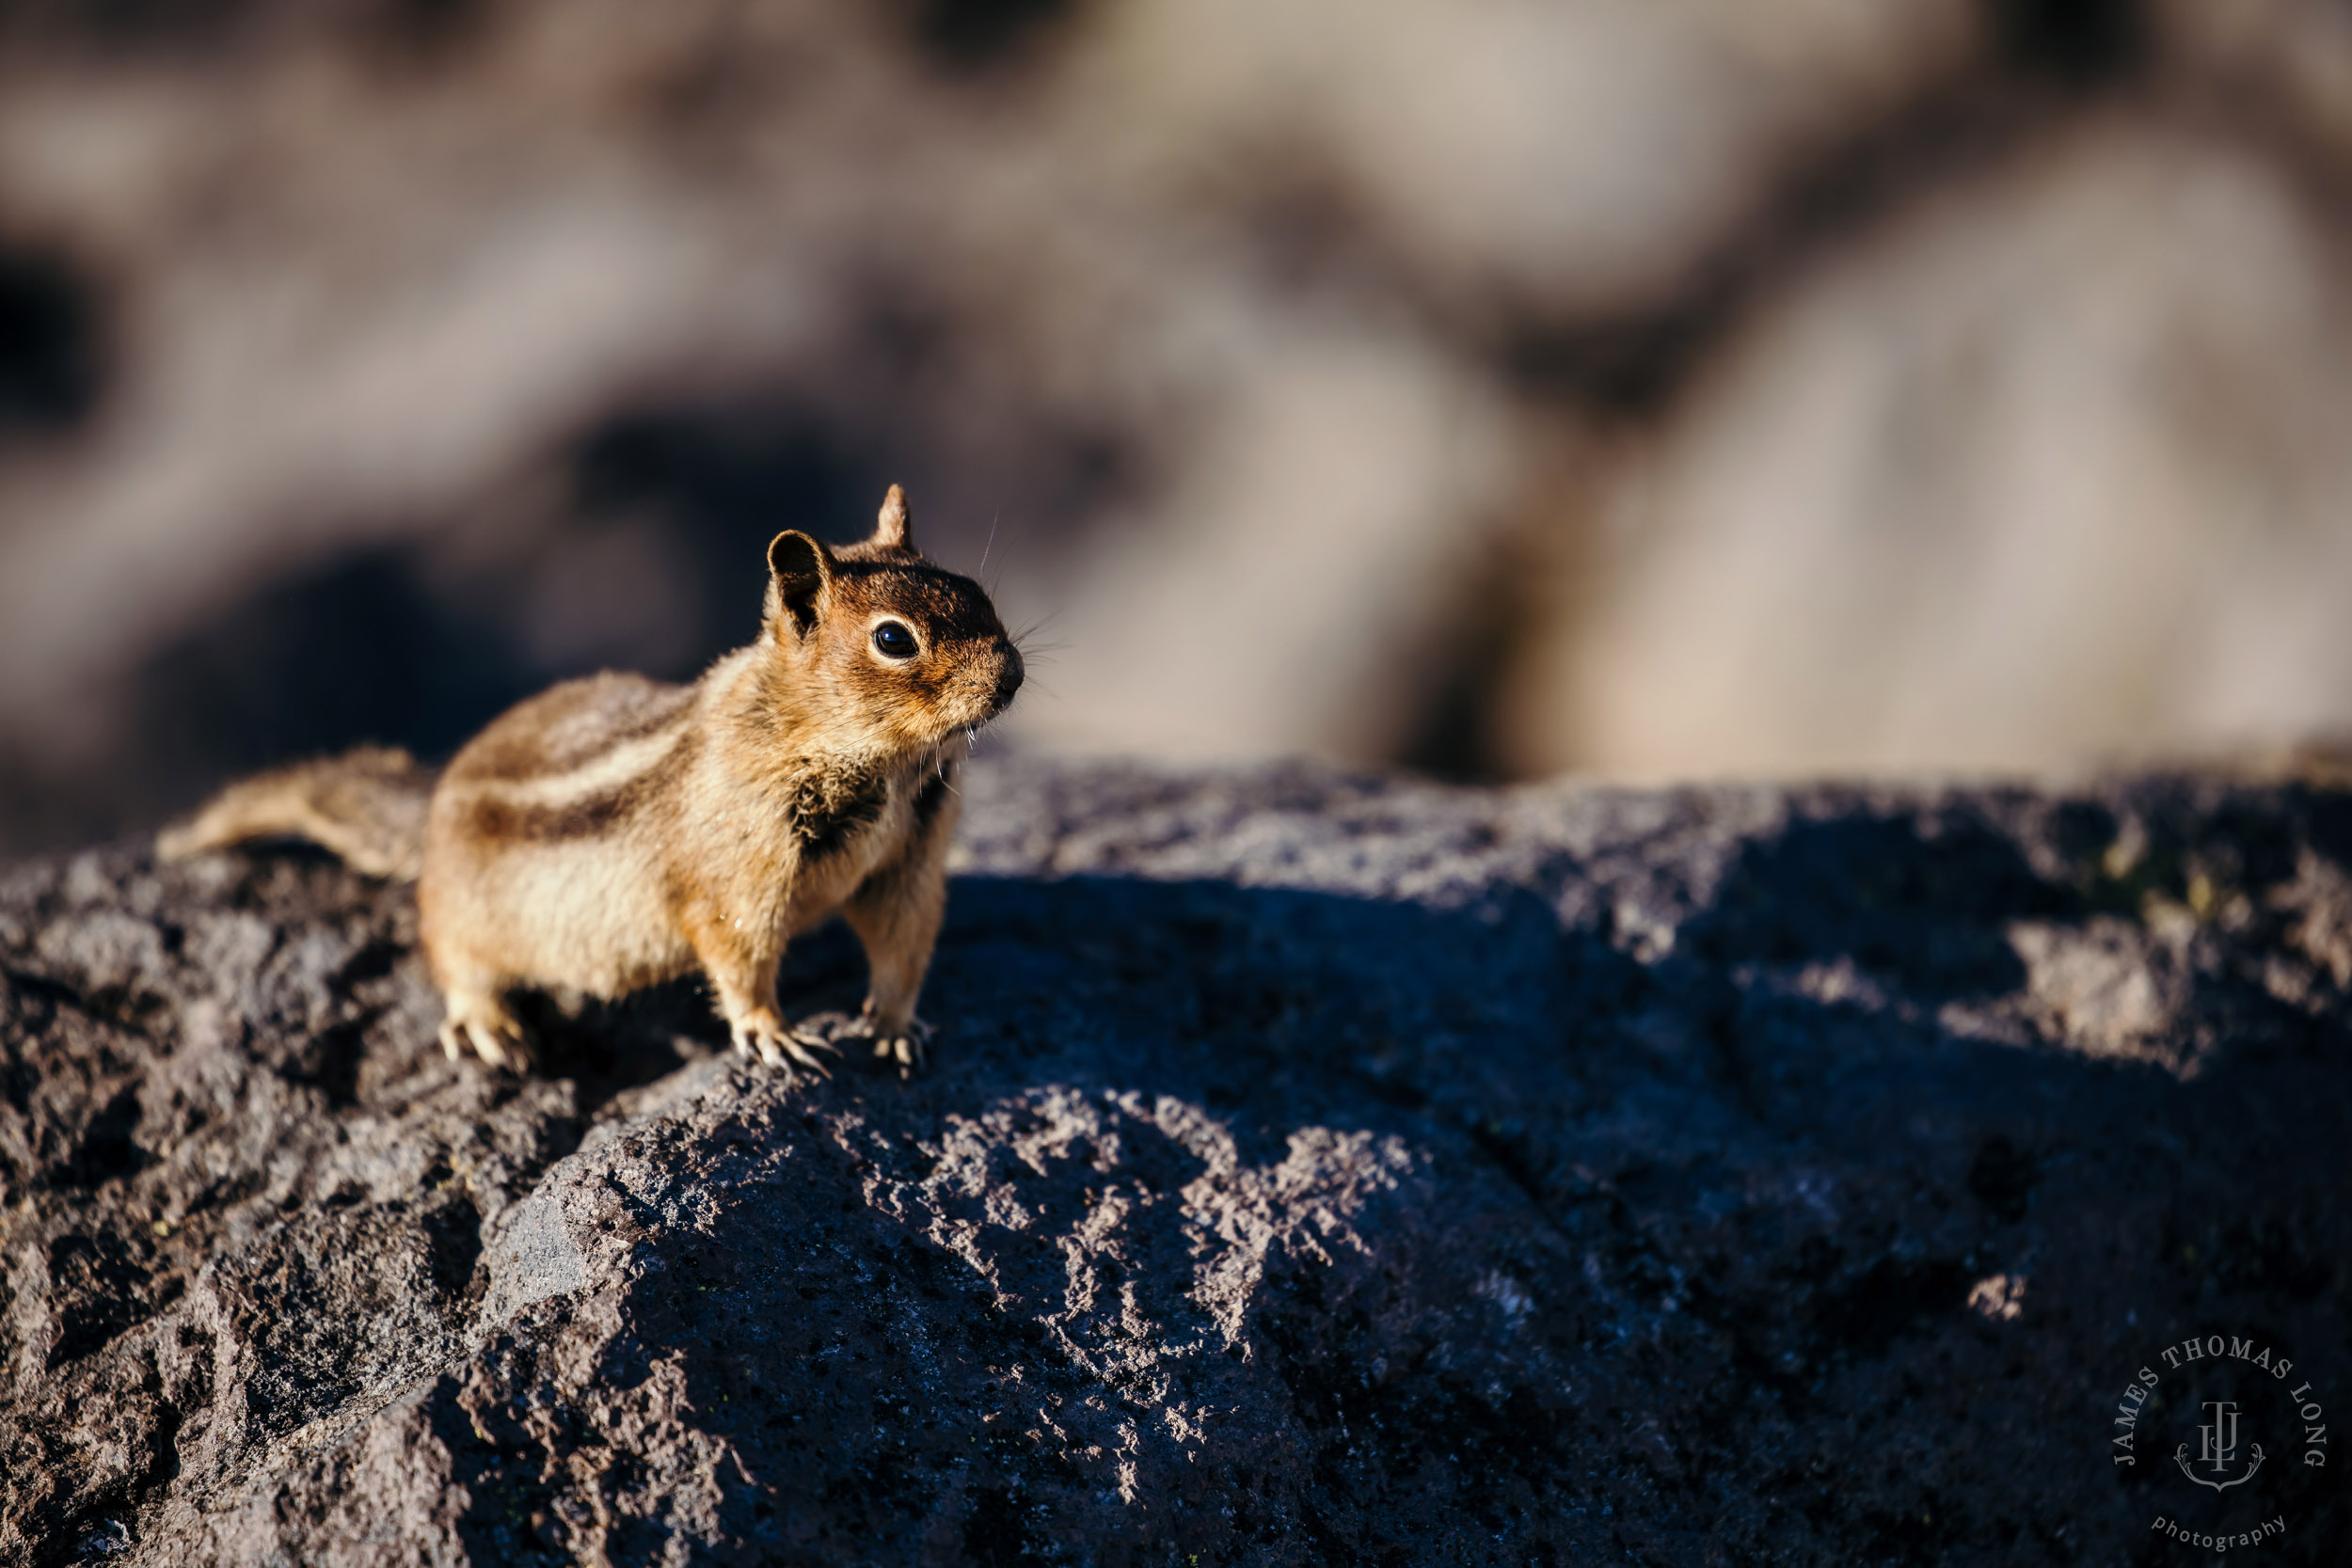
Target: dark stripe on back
point(660, 711)
point(545, 736)
point(590, 815)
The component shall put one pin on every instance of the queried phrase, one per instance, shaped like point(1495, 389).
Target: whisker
point(991, 545)
point(1023, 641)
point(990, 585)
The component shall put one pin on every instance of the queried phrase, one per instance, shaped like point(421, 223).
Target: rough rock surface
point(1313, 1170)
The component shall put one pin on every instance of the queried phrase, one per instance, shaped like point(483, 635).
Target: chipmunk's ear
point(800, 581)
point(891, 527)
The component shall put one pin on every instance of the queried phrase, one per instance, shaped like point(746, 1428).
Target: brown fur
point(367, 805)
point(614, 832)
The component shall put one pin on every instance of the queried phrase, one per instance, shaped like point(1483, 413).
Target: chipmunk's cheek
point(936, 714)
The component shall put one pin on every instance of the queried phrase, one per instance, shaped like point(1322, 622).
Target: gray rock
point(1314, 1168)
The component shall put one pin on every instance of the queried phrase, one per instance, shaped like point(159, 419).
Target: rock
point(1970, 497)
point(1314, 1168)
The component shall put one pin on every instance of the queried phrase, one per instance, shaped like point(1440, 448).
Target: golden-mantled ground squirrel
point(616, 831)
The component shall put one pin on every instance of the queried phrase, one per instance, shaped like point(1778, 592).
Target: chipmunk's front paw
point(904, 1044)
point(777, 1046)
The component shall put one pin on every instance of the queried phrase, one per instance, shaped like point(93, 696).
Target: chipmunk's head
point(879, 641)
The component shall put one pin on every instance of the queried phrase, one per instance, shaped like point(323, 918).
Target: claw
point(778, 1047)
point(794, 1044)
point(903, 1045)
point(753, 1044)
point(814, 1040)
point(501, 1045)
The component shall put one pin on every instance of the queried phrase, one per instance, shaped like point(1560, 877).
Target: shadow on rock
point(1338, 1200)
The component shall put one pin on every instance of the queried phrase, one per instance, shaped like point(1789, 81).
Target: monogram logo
point(2216, 1449)
point(2235, 1392)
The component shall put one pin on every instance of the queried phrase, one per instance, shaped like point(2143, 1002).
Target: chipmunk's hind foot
point(496, 1035)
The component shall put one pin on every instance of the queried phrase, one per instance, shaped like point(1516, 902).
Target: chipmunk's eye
point(892, 641)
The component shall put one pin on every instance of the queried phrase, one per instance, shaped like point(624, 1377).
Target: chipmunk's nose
point(1008, 674)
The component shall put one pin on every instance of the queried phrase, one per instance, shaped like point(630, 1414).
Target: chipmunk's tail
point(367, 805)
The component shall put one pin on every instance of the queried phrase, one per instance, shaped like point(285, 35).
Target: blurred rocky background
point(1646, 388)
